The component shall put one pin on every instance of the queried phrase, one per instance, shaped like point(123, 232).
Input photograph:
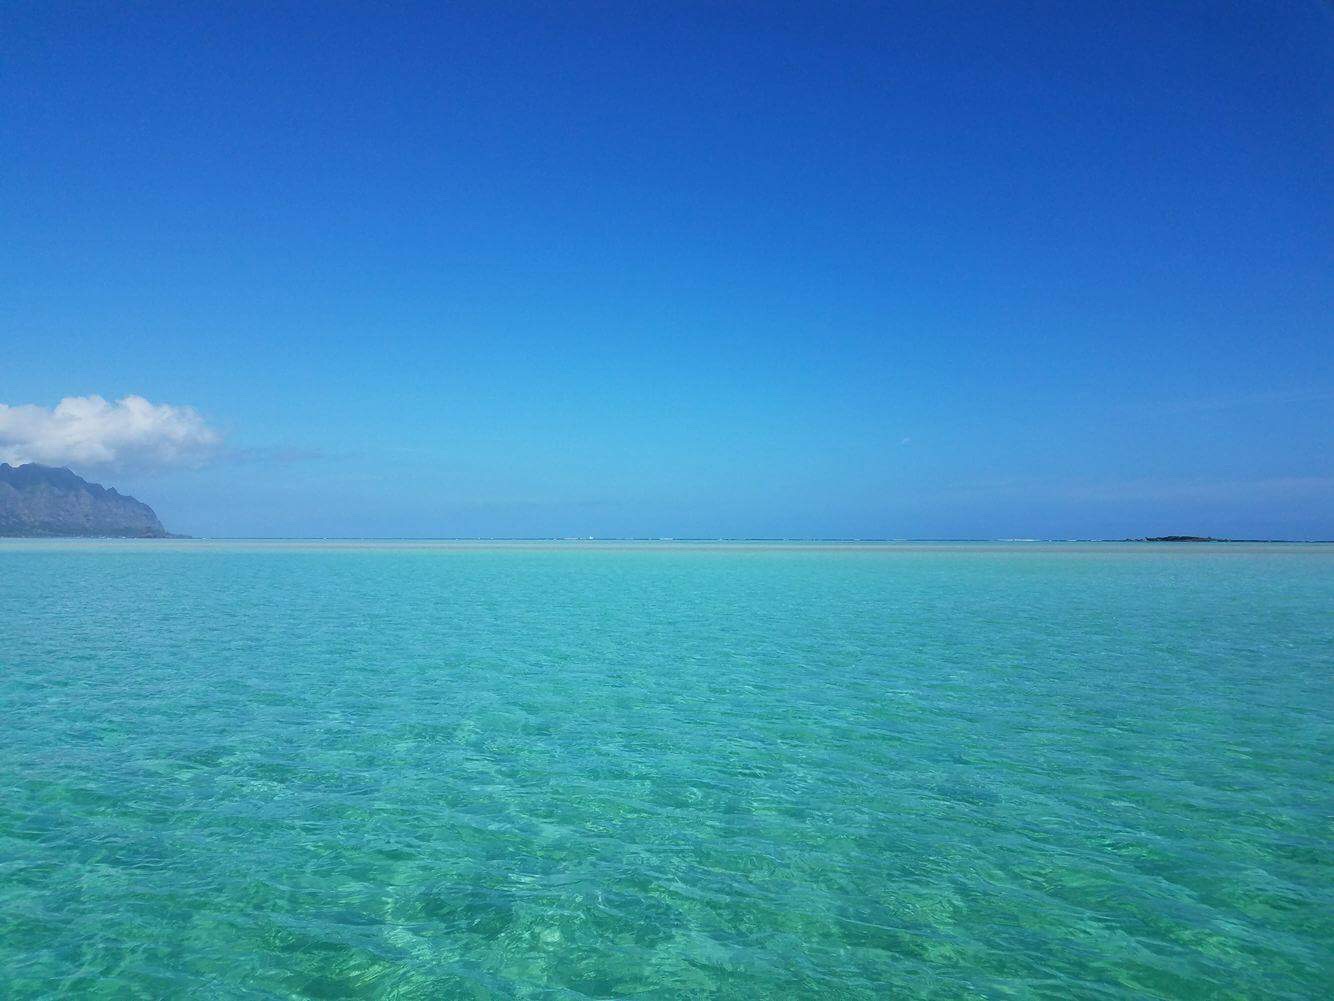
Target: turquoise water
point(574, 771)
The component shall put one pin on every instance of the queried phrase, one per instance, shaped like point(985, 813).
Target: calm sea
point(560, 771)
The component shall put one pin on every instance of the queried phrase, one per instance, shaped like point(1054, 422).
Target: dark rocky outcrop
point(42, 501)
point(1180, 538)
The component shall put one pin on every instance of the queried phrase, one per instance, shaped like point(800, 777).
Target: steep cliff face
point(43, 501)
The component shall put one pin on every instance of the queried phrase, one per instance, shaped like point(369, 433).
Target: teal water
point(437, 771)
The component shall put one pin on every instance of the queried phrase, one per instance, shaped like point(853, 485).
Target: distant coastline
point(573, 542)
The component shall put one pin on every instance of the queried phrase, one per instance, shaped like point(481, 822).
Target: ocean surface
point(562, 771)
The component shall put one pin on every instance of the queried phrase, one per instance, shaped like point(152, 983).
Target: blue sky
point(910, 270)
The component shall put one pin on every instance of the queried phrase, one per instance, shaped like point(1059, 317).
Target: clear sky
point(648, 269)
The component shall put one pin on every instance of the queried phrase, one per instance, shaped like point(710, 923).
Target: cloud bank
point(89, 432)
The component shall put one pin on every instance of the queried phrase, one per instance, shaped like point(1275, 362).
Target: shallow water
point(274, 770)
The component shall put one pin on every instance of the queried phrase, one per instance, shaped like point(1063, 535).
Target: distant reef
point(42, 502)
point(1179, 538)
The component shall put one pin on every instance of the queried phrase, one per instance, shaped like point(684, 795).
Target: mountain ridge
point(39, 501)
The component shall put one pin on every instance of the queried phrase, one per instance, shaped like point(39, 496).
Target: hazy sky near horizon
point(853, 270)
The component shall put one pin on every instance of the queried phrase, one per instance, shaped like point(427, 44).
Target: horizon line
point(1198, 540)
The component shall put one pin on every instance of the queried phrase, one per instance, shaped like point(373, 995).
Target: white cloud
point(88, 432)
